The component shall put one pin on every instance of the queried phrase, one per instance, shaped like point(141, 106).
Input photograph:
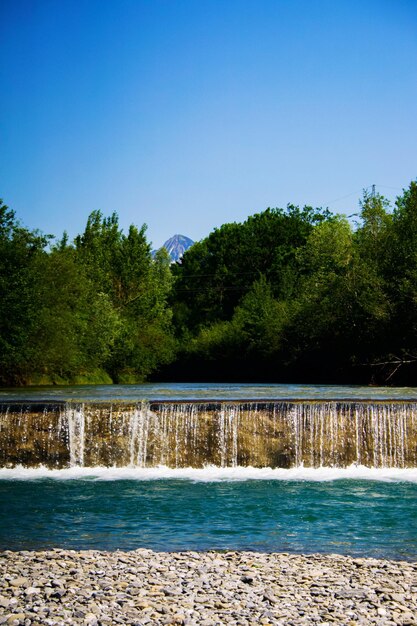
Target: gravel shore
point(209, 588)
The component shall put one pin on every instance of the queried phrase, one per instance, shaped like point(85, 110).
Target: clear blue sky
point(185, 114)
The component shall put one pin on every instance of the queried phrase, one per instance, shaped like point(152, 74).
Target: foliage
point(81, 312)
point(216, 273)
point(304, 295)
point(290, 294)
point(20, 283)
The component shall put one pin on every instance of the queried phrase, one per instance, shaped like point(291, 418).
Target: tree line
point(289, 295)
point(94, 310)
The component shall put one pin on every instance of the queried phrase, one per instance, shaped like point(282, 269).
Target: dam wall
point(195, 434)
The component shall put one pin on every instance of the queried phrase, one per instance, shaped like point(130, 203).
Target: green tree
point(77, 325)
point(216, 273)
point(342, 309)
point(99, 251)
point(137, 286)
point(146, 341)
point(260, 319)
point(400, 274)
point(20, 284)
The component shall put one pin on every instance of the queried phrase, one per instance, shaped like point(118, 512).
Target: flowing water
point(175, 467)
point(196, 434)
point(376, 517)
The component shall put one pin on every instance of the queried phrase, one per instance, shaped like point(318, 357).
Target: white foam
point(213, 474)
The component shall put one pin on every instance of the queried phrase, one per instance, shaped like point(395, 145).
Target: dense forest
point(290, 295)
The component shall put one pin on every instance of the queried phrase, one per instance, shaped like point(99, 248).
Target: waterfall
point(228, 423)
point(221, 433)
point(76, 434)
point(138, 437)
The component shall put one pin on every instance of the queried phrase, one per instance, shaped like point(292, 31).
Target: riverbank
point(141, 587)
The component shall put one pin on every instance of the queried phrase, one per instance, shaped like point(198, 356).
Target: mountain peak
point(176, 246)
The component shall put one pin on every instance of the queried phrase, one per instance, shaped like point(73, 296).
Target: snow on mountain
point(176, 246)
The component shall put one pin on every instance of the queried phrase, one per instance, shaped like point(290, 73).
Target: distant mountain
point(176, 246)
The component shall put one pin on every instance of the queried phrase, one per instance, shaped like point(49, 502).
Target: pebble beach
point(140, 587)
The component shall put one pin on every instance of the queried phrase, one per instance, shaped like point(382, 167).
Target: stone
point(244, 589)
point(30, 591)
point(247, 579)
point(18, 582)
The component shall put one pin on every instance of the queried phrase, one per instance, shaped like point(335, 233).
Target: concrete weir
point(270, 433)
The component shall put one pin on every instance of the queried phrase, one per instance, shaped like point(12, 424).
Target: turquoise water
point(211, 391)
point(356, 511)
point(347, 515)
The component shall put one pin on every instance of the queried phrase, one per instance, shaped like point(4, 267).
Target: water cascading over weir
point(222, 433)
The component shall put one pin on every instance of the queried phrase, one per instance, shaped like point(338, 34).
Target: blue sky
point(186, 114)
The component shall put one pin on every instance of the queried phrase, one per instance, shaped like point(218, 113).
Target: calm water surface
point(204, 391)
point(347, 516)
